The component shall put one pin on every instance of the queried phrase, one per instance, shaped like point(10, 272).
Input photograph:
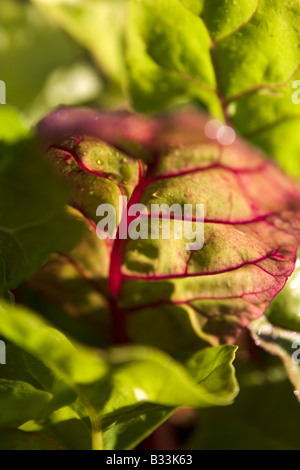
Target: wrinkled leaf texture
point(157, 291)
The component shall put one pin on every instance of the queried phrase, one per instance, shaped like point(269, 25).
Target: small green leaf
point(64, 426)
point(21, 402)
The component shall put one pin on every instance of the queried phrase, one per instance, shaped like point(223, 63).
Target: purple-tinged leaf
point(156, 288)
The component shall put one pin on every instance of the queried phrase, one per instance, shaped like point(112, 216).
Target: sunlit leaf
point(108, 385)
point(239, 59)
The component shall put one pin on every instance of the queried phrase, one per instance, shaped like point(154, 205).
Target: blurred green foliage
point(40, 64)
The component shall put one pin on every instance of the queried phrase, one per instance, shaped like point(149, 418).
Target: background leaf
point(41, 66)
point(84, 19)
point(253, 58)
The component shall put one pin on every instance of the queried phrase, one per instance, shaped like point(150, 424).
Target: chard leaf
point(155, 288)
point(108, 385)
point(238, 59)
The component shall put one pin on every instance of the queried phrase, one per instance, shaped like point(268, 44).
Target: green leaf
point(109, 385)
point(26, 377)
point(247, 66)
point(157, 287)
point(20, 402)
point(49, 345)
point(65, 427)
point(129, 429)
point(32, 208)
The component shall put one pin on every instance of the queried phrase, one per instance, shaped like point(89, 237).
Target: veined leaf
point(239, 59)
point(155, 288)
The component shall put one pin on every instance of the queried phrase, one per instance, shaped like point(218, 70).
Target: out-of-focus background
point(69, 54)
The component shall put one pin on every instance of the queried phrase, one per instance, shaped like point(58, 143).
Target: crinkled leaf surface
point(155, 288)
point(104, 386)
point(239, 59)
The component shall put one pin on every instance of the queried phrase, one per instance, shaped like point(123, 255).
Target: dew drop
point(296, 393)
point(99, 162)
